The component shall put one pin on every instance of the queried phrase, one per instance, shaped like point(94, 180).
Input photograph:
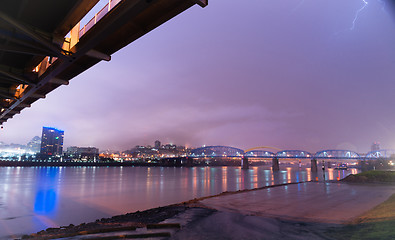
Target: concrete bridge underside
point(36, 57)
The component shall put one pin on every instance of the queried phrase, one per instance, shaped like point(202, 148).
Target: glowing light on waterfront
point(289, 180)
point(225, 178)
point(194, 180)
point(255, 177)
point(330, 174)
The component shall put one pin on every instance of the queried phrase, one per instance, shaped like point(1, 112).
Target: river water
point(35, 198)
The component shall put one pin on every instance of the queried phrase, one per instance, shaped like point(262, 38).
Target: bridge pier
point(366, 165)
point(275, 164)
point(189, 162)
point(314, 165)
point(244, 162)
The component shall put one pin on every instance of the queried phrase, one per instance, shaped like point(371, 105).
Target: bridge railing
point(67, 45)
point(110, 5)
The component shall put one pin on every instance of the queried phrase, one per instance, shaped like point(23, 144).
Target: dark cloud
point(287, 74)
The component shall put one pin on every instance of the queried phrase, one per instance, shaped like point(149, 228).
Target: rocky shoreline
point(129, 221)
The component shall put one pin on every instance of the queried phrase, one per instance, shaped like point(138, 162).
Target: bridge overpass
point(225, 151)
point(260, 153)
point(43, 46)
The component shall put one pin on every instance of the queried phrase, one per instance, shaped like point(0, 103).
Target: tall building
point(52, 142)
point(34, 145)
point(88, 153)
point(375, 146)
point(157, 144)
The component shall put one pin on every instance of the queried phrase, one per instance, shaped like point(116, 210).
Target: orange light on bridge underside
point(20, 89)
point(44, 65)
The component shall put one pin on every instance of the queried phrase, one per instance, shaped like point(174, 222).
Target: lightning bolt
point(382, 5)
point(297, 6)
point(365, 4)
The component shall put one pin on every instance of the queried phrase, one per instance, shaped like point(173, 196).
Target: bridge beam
point(39, 38)
point(314, 165)
point(275, 165)
point(18, 78)
point(98, 55)
point(202, 3)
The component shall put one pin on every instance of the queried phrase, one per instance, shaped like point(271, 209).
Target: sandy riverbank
point(305, 210)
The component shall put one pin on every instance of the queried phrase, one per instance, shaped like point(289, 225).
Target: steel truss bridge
point(43, 45)
point(331, 154)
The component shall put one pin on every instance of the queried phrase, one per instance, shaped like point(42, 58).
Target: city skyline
point(157, 144)
point(51, 142)
point(284, 74)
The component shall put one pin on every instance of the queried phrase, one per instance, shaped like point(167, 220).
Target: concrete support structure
point(323, 169)
point(363, 165)
point(189, 162)
point(314, 165)
point(244, 162)
point(367, 165)
point(275, 164)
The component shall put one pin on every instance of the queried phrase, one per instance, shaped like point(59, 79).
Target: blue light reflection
point(46, 192)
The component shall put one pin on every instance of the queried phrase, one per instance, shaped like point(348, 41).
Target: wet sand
point(292, 211)
point(331, 202)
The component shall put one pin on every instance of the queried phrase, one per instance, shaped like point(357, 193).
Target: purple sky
point(284, 73)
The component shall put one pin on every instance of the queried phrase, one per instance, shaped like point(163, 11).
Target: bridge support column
point(189, 162)
point(244, 162)
point(314, 165)
point(275, 164)
point(365, 165)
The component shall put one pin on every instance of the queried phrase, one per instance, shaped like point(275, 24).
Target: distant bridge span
point(383, 154)
point(43, 46)
point(262, 147)
point(257, 153)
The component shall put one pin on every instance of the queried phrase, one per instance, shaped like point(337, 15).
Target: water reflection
point(330, 173)
point(45, 200)
point(225, 177)
point(289, 179)
point(254, 177)
point(308, 171)
point(32, 199)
